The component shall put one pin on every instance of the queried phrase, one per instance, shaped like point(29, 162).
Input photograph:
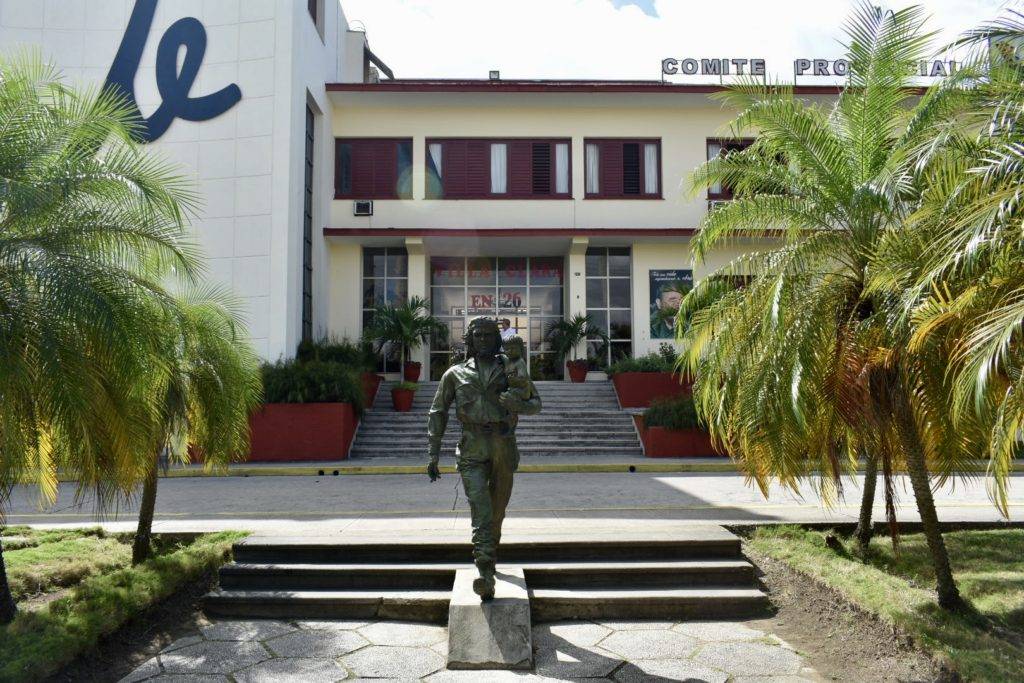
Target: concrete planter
point(401, 399)
point(660, 442)
point(371, 382)
point(411, 371)
point(638, 389)
point(577, 370)
point(291, 432)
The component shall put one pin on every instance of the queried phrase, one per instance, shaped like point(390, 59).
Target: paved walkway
point(314, 651)
point(411, 503)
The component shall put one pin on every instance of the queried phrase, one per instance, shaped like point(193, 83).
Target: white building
point(528, 200)
point(249, 162)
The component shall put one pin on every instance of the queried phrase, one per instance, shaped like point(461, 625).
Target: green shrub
point(677, 412)
point(408, 386)
point(38, 643)
point(315, 381)
point(662, 360)
point(352, 355)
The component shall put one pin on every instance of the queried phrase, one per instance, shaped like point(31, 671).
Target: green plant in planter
point(358, 356)
point(407, 386)
point(676, 413)
point(316, 381)
point(652, 362)
point(407, 326)
point(565, 336)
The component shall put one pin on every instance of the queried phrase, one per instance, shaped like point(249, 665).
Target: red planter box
point(660, 442)
point(638, 389)
point(291, 432)
point(371, 382)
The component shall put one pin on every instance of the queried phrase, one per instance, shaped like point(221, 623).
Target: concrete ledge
point(494, 634)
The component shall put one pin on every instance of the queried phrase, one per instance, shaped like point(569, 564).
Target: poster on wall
point(668, 287)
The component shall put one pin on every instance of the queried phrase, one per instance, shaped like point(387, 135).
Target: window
point(717, 147)
point(483, 168)
point(527, 292)
point(623, 169)
point(307, 231)
point(385, 281)
point(373, 168)
point(609, 304)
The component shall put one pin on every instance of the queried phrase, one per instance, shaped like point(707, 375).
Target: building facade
point(526, 200)
point(330, 187)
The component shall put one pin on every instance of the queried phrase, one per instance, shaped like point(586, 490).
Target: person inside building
point(507, 331)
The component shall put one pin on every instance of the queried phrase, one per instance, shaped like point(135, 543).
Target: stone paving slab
point(257, 651)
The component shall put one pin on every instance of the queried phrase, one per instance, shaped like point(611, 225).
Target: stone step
point(701, 543)
point(676, 603)
point(357, 452)
point(581, 417)
point(439, 576)
point(410, 604)
point(523, 441)
point(523, 430)
point(319, 576)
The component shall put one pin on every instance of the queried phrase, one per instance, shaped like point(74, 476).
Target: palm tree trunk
point(7, 607)
point(864, 530)
point(142, 548)
point(917, 469)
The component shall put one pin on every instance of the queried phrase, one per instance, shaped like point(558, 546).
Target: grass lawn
point(988, 566)
point(103, 591)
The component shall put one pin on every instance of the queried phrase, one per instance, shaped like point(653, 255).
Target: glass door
point(524, 293)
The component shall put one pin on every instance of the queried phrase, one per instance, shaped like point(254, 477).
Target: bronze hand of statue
point(433, 471)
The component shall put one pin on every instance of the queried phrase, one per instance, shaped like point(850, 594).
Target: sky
point(615, 39)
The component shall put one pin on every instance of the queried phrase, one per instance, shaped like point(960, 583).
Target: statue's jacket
point(486, 424)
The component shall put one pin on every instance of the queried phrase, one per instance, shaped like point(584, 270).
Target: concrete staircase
point(700, 574)
point(577, 419)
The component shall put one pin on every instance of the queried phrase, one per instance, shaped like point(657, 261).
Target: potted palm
point(406, 327)
point(565, 336)
point(402, 395)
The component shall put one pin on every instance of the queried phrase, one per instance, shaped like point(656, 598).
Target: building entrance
point(526, 293)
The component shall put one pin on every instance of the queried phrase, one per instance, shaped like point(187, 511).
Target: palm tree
point(207, 385)
point(807, 365)
point(408, 326)
point(565, 336)
point(966, 294)
point(89, 229)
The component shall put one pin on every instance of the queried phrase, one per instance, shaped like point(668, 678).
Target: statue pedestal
point(494, 634)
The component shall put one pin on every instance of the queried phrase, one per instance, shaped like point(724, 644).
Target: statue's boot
point(484, 584)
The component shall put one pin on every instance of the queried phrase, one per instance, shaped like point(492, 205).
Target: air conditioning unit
point(715, 203)
point(362, 207)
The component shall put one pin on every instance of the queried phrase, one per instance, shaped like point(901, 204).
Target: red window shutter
point(362, 168)
point(454, 164)
point(611, 168)
point(543, 177)
point(519, 168)
point(385, 168)
point(478, 168)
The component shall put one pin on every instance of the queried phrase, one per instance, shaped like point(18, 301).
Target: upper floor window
point(373, 168)
point(623, 169)
point(717, 147)
point(492, 168)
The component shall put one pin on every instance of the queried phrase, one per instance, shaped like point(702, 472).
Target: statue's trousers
point(487, 462)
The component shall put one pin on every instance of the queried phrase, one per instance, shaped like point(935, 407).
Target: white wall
point(246, 163)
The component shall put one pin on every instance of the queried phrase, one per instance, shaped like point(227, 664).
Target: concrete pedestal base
point(494, 634)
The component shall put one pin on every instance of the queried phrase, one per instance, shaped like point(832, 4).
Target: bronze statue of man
point(486, 455)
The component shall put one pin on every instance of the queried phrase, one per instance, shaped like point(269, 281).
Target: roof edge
point(414, 85)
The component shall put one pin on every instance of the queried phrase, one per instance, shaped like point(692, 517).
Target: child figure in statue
point(518, 377)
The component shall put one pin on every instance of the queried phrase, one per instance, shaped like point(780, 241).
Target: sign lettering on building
point(175, 86)
point(755, 66)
